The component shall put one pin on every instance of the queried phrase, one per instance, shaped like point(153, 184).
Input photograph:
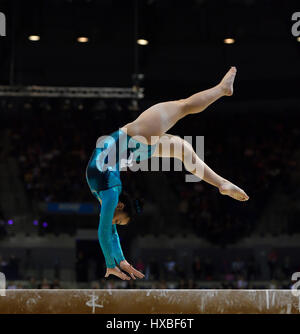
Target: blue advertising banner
point(71, 208)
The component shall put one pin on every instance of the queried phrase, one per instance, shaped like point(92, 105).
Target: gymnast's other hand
point(117, 272)
point(130, 270)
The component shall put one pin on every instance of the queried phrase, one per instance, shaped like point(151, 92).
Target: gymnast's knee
point(188, 155)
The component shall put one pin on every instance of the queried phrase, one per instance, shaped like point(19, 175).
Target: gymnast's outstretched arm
point(109, 199)
point(117, 249)
point(109, 238)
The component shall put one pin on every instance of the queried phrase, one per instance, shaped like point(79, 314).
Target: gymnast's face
point(120, 216)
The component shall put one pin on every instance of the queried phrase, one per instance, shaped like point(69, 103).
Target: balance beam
point(117, 301)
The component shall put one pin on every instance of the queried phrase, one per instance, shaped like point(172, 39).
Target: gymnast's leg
point(170, 146)
point(158, 119)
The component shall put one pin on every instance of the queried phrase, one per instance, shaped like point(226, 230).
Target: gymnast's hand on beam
point(130, 270)
point(117, 272)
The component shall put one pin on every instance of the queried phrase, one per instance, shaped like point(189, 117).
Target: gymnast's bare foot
point(227, 82)
point(229, 189)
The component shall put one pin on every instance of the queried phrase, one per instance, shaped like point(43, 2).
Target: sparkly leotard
point(111, 154)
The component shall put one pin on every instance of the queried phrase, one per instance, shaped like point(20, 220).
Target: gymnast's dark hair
point(132, 206)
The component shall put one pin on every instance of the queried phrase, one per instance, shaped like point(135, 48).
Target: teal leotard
point(103, 178)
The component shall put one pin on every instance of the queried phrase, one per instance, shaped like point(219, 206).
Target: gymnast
point(112, 153)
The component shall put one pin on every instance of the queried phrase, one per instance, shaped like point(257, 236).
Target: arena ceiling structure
point(188, 45)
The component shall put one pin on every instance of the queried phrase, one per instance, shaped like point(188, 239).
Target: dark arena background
point(73, 70)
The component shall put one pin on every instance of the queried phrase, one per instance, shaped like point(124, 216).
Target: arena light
point(82, 39)
point(34, 38)
point(10, 222)
point(229, 40)
point(142, 41)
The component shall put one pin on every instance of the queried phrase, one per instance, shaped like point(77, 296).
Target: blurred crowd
point(257, 156)
point(203, 268)
point(52, 158)
point(53, 152)
point(3, 231)
point(238, 273)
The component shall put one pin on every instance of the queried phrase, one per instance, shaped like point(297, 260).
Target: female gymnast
point(103, 170)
